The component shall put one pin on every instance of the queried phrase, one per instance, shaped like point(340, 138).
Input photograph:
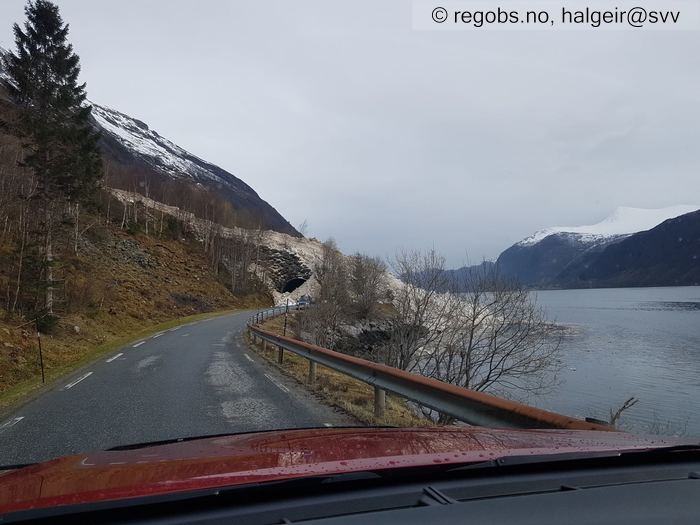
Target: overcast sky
point(388, 138)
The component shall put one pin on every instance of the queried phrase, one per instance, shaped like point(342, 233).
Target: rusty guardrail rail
point(469, 406)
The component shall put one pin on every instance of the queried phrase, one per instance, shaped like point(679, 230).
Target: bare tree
point(615, 416)
point(367, 283)
point(496, 339)
point(332, 295)
point(304, 227)
point(421, 310)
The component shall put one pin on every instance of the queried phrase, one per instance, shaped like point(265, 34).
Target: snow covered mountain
point(623, 221)
point(130, 142)
point(141, 159)
point(154, 149)
point(555, 256)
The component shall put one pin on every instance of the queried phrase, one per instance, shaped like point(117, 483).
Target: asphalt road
point(193, 380)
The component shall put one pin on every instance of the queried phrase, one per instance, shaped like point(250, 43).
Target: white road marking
point(138, 344)
point(157, 335)
point(281, 387)
point(118, 463)
point(114, 357)
point(11, 423)
point(248, 357)
point(327, 425)
point(176, 328)
point(71, 385)
point(185, 335)
point(218, 344)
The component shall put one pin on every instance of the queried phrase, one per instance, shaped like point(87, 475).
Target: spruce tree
point(54, 119)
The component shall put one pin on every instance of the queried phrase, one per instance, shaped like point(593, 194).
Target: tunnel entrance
point(293, 284)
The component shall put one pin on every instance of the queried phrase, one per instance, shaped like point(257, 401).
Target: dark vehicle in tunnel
point(303, 301)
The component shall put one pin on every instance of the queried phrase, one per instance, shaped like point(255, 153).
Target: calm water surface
point(624, 342)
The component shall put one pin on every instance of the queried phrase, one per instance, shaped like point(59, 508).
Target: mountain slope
point(539, 264)
point(622, 221)
point(540, 260)
point(131, 143)
point(666, 255)
point(137, 158)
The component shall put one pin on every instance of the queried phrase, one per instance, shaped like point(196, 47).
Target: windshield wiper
point(540, 459)
point(16, 466)
point(147, 444)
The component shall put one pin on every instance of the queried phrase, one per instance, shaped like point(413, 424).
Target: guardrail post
point(280, 354)
point(264, 345)
point(312, 372)
point(379, 402)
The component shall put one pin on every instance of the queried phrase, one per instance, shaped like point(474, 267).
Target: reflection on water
point(670, 305)
point(619, 343)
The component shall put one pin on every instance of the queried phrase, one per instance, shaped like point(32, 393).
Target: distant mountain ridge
point(623, 221)
point(601, 254)
point(666, 255)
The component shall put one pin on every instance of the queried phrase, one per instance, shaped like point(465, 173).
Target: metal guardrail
point(262, 315)
point(469, 406)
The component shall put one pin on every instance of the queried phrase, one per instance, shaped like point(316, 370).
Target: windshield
point(223, 218)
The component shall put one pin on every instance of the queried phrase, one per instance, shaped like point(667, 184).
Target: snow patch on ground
point(623, 221)
point(4, 76)
point(309, 251)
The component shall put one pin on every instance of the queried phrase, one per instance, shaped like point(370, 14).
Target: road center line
point(248, 357)
point(281, 387)
point(114, 357)
point(11, 423)
point(185, 335)
point(71, 385)
point(138, 344)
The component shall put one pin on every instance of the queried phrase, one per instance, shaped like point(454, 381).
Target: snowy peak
point(152, 148)
point(131, 143)
point(623, 221)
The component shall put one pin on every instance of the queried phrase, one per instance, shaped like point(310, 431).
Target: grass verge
point(339, 390)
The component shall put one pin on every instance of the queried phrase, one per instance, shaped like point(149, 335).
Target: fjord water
point(624, 342)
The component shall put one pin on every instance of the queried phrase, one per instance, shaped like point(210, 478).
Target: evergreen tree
point(54, 120)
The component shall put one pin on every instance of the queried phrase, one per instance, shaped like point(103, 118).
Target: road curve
point(193, 380)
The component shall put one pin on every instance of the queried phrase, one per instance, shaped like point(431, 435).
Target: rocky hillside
point(119, 282)
point(283, 262)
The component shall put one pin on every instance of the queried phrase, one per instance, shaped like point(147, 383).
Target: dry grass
point(350, 395)
point(117, 299)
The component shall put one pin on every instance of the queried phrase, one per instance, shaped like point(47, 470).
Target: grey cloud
point(384, 137)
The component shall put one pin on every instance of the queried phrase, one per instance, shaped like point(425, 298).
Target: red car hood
point(246, 458)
